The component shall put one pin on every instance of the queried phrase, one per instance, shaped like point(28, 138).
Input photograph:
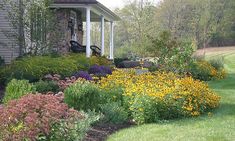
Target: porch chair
point(78, 48)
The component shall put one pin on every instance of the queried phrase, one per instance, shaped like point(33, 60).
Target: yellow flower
point(164, 86)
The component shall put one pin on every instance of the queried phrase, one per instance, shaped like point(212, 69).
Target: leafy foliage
point(16, 89)
point(46, 86)
point(33, 116)
point(217, 63)
point(172, 55)
point(203, 70)
point(35, 68)
point(72, 129)
point(82, 95)
point(203, 22)
point(114, 113)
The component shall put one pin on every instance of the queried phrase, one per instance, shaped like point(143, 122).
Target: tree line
point(203, 22)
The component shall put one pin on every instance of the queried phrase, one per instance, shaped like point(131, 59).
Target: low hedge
point(36, 67)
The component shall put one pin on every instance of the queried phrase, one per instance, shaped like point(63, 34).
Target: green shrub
point(36, 67)
point(101, 61)
point(16, 89)
point(173, 55)
point(46, 86)
point(114, 113)
point(217, 63)
point(82, 96)
point(73, 129)
point(144, 110)
point(112, 95)
point(201, 70)
point(207, 71)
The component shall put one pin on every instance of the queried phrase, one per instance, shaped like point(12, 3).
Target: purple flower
point(100, 70)
point(106, 70)
point(82, 74)
point(95, 69)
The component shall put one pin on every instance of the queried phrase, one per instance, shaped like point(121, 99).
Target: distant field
point(216, 51)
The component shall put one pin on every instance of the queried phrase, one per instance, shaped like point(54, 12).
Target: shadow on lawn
point(225, 109)
point(224, 84)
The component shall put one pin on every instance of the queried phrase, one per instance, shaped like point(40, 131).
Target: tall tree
point(199, 20)
point(137, 23)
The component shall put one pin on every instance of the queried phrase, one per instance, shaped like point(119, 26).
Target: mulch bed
point(100, 132)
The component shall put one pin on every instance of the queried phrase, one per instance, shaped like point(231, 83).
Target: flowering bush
point(32, 116)
point(161, 95)
point(100, 70)
point(203, 70)
point(63, 83)
point(82, 74)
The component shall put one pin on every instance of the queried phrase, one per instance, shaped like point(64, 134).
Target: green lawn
point(218, 127)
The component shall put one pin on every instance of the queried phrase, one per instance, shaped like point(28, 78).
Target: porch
point(75, 12)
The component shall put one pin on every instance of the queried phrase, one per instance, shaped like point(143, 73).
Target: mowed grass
point(220, 126)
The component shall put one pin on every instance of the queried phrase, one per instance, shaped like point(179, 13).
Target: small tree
point(172, 54)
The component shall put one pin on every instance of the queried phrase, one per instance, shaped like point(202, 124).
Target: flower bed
point(41, 117)
point(153, 96)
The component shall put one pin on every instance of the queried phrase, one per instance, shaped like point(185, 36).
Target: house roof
point(76, 1)
point(98, 9)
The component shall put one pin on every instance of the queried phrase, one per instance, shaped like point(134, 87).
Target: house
point(71, 14)
point(8, 47)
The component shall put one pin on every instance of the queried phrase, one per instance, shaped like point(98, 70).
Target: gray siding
point(8, 47)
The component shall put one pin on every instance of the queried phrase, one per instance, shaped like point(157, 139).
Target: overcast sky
point(115, 3)
point(112, 3)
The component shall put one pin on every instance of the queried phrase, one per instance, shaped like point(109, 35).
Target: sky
point(112, 3)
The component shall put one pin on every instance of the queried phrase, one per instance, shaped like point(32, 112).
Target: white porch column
point(88, 32)
point(111, 40)
point(102, 35)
